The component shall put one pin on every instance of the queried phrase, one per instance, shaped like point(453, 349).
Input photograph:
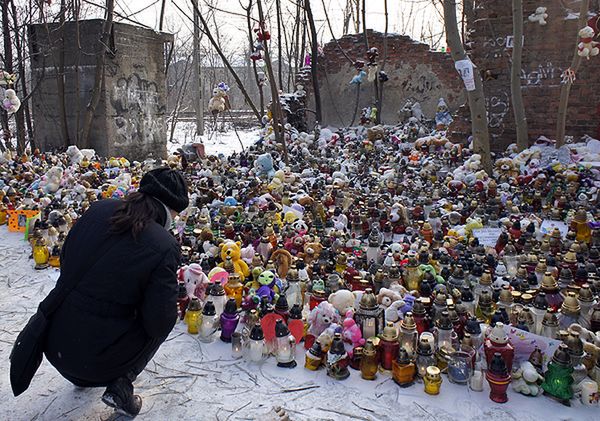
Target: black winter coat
point(121, 303)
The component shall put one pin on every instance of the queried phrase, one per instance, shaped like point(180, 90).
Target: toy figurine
point(526, 380)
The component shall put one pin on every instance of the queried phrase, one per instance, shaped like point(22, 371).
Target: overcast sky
point(405, 16)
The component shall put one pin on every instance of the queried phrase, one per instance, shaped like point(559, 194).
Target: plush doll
point(342, 300)
point(264, 165)
point(247, 253)
point(268, 285)
point(321, 317)
point(11, 102)
point(539, 16)
point(351, 333)
point(295, 245)
point(311, 253)
point(194, 279)
point(526, 380)
point(50, 182)
point(219, 101)
point(442, 117)
point(232, 249)
point(282, 260)
point(393, 311)
point(386, 297)
point(587, 47)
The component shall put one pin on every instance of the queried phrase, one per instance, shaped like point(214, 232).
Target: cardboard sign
point(17, 219)
point(465, 69)
point(548, 226)
point(487, 236)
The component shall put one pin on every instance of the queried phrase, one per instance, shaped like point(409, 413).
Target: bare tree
point(479, 125)
point(565, 89)
point(275, 104)
point(314, 60)
point(515, 76)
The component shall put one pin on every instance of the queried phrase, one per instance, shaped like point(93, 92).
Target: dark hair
point(135, 212)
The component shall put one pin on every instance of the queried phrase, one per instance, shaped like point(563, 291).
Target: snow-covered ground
point(215, 142)
point(190, 380)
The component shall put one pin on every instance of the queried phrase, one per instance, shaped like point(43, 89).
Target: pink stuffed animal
point(351, 333)
point(194, 279)
point(321, 317)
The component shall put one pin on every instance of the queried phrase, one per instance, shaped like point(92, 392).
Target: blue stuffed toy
point(264, 165)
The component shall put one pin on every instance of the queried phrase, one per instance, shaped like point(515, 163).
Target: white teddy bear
point(539, 16)
point(587, 47)
point(11, 102)
point(50, 182)
point(526, 380)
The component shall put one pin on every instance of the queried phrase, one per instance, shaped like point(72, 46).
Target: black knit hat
point(168, 186)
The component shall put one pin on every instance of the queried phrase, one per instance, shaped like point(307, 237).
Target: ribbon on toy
point(568, 76)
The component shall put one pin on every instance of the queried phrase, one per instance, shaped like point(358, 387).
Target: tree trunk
point(233, 73)
point(60, 77)
point(198, 97)
point(479, 126)
point(8, 66)
point(385, 52)
point(20, 114)
point(275, 104)
point(515, 76)
point(99, 74)
point(279, 60)
point(259, 86)
point(565, 89)
point(314, 61)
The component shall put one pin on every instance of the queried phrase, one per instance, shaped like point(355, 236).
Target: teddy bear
point(386, 297)
point(232, 249)
point(50, 182)
point(526, 380)
point(342, 300)
point(321, 317)
point(220, 100)
point(194, 279)
point(11, 103)
point(587, 47)
point(264, 165)
point(539, 16)
point(351, 333)
point(311, 253)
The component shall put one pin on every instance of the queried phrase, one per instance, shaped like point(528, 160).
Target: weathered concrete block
point(130, 118)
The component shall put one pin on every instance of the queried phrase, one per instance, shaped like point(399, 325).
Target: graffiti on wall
point(535, 75)
point(422, 84)
point(497, 107)
point(138, 112)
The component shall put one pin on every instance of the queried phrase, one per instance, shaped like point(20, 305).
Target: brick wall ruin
point(547, 52)
point(415, 72)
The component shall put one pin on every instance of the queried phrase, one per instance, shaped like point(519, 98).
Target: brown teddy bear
point(312, 251)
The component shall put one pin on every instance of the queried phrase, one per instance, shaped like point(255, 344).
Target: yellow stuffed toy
point(233, 249)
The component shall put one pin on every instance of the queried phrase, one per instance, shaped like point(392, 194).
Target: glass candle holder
point(432, 380)
point(236, 345)
point(460, 367)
